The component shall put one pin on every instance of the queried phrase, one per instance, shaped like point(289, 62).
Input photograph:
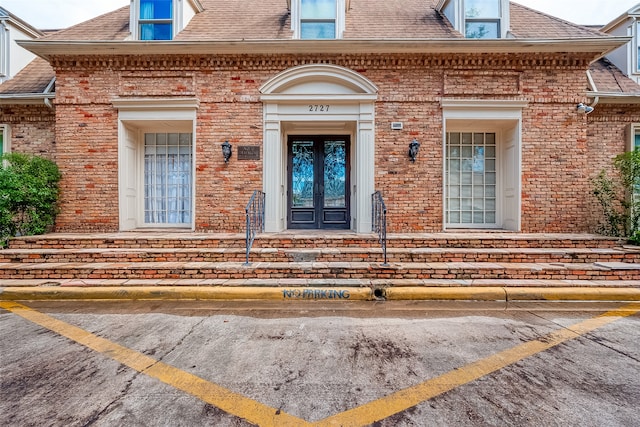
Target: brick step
point(312, 240)
point(503, 255)
point(319, 283)
point(320, 270)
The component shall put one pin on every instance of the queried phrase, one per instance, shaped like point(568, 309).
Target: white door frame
point(148, 114)
point(312, 99)
point(500, 116)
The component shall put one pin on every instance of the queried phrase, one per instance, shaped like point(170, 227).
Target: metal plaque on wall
point(249, 152)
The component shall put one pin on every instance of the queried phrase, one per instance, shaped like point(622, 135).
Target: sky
point(55, 14)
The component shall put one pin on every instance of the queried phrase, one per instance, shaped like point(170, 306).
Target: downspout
point(49, 89)
point(596, 99)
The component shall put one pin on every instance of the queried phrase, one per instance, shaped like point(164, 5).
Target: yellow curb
point(185, 293)
point(318, 293)
point(444, 293)
point(573, 294)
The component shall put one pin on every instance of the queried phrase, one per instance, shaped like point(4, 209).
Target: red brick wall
point(607, 136)
point(32, 129)
point(556, 152)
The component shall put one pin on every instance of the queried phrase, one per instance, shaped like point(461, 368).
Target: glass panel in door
point(318, 183)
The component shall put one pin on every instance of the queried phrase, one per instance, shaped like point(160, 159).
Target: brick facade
point(32, 129)
point(561, 149)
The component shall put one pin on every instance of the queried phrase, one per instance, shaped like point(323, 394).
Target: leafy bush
point(28, 195)
point(619, 197)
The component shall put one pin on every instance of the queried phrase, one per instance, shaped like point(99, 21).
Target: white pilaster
point(273, 172)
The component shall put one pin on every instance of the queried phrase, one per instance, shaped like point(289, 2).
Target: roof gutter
point(614, 97)
point(598, 46)
point(28, 99)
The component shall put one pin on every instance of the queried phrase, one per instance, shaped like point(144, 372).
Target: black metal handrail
point(379, 221)
point(255, 219)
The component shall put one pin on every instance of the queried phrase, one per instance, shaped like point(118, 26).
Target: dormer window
point(161, 19)
point(482, 19)
point(318, 19)
point(156, 20)
point(478, 19)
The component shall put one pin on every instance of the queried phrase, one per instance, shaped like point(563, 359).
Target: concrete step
point(321, 270)
point(337, 254)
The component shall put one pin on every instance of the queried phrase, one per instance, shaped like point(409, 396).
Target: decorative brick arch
point(348, 99)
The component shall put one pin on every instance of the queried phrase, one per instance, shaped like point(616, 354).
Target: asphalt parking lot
point(280, 363)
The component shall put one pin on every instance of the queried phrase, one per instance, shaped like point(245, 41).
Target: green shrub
point(28, 195)
point(619, 197)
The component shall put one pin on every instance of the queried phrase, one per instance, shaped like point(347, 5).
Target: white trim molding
point(136, 116)
point(347, 101)
point(503, 117)
point(6, 139)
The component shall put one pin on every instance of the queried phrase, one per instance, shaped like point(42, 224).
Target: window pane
point(637, 140)
point(471, 179)
point(302, 176)
point(167, 181)
point(155, 9)
point(318, 30)
point(482, 8)
point(155, 32)
point(481, 30)
point(318, 9)
point(335, 167)
point(1, 142)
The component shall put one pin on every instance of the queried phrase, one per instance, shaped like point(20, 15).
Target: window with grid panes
point(471, 179)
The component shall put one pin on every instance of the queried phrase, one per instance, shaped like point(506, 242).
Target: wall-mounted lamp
point(226, 151)
point(414, 146)
point(585, 109)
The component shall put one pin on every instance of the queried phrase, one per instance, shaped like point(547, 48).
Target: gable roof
point(365, 19)
point(372, 26)
point(24, 26)
point(32, 85)
point(610, 85)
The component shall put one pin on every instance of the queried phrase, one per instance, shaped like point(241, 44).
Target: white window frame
point(176, 19)
point(633, 130)
point(454, 10)
point(5, 130)
point(5, 59)
point(635, 46)
point(489, 116)
point(151, 115)
point(295, 6)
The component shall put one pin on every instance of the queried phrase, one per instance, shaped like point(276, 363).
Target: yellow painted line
point(220, 397)
point(185, 293)
point(264, 415)
point(404, 399)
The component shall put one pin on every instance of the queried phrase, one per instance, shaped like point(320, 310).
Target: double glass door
point(318, 181)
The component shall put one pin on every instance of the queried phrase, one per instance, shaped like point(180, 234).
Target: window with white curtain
point(156, 20)
point(168, 178)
